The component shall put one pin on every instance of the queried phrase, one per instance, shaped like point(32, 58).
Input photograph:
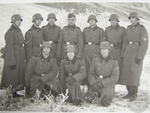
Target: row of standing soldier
point(128, 47)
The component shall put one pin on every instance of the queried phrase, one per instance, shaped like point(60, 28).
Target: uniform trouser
point(107, 95)
point(75, 90)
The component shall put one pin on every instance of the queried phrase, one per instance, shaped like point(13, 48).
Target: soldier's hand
point(100, 85)
point(13, 67)
point(70, 80)
point(137, 60)
point(95, 86)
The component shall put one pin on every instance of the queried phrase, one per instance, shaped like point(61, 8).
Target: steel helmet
point(70, 48)
point(46, 44)
point(105, 45)
point(92, 17)
point(37, 16)
point(134, 14)
point(51, 15)
point(114, 16)
point(16, 17)
point(70, 15)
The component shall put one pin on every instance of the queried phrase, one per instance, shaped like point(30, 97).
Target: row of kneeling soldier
point(94, 58)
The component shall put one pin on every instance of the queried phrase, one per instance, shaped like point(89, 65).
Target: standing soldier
point(103, 75)
point(93, 36)
point(34, 37)
point(51, 32)
point(72, 73)
point(70, 34)
point(41, 73)
point(114, 35)
point(134, 50)
point(14, 59)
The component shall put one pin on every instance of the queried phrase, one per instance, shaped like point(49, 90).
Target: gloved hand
point(100, 85)
point(137, 60)
point(58, 61)
point(95, 86)
point(70, 80)
point(13, 67)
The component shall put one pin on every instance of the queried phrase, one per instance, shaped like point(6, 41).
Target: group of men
point(52, 59)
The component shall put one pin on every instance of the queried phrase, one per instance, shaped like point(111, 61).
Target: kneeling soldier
point(72, 74)
point(103, 75)
point(41, 73)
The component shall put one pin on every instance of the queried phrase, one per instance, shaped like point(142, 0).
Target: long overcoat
point(95, 36)
point(14, 55)
point(77, 70)
point(51, 33)
point(135, 46)
point(105, 71)
point(34, 40)
point(72, 35)
point(33, 75)
point(115, 35)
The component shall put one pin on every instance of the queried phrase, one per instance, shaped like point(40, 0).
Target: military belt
point(53, 42)
point(133, 43)
point(102, 77)
point(21, 45)
point(70, 43)
point(38, 45)
point(118, 45)
point(92, 43)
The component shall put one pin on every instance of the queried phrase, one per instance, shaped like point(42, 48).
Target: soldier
point(51, 32)
point(70, 34)
point(134, 50)
point(103, 75)
point(34, 37)
point(41, 73)
point(114, 35)
point(93, 36)
point(71, 74)
point(14, 59)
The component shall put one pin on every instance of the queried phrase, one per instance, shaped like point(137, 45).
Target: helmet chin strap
point(136, 21)
point(15, 24)
point(36, 24)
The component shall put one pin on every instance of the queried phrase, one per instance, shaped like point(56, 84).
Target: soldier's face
point(133, 20)
point(113, 22)
point(18, 23)
point(46, 50)
point(71, 21)
point(38, 22)
point(70, 55)
point(92, 22)
point(51, 21)
point(104, 52)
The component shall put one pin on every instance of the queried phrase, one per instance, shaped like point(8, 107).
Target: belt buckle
point(111, 45)
point(70, 74)
point(40, 45)
point(68, 43)
point(130, 42)
point(50, 42)
point(89, 43)
point(100, 76)
point(22, 45)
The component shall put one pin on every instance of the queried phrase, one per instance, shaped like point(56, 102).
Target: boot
point(129, 88)
point(134, 95)
point(77, 102)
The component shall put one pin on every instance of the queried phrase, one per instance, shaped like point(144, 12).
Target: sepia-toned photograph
point(74, 56)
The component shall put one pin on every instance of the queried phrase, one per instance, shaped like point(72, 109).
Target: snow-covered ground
point(27, 10)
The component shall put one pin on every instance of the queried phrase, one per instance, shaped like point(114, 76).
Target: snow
point(28, 9)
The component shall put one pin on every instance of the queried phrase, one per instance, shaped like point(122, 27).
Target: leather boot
point(134, 95)
point(129, 88)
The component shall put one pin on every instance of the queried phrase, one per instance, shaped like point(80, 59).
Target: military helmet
point(37, 16)
point(92, 17)
point(70, 15)
point(51, 15)
point(16, 17)
point(105, 45)
point(70, 48)
point(134, 14)
point(46, 44)
point(114, 16)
